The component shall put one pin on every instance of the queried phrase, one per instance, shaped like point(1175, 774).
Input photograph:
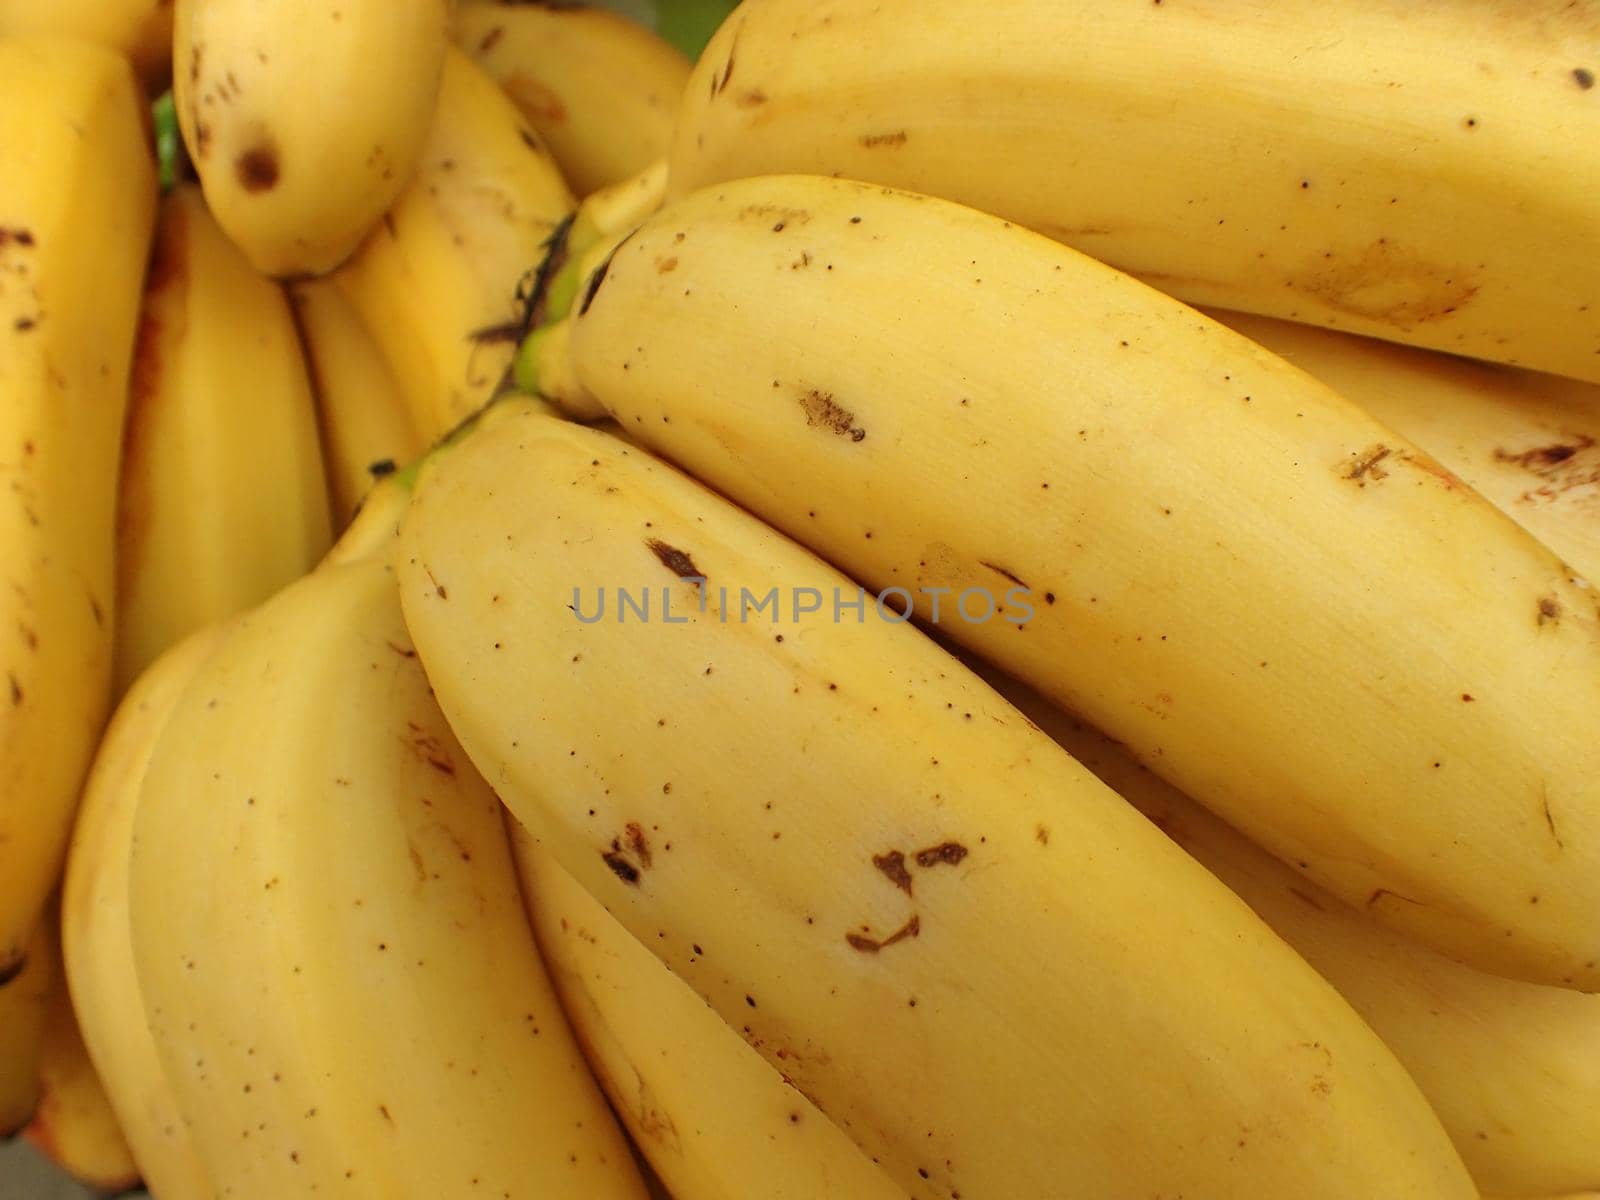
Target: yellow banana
point(327, 926)
point(75, 217)
point(601, 90)
point(713, 1119)
point(933, 921)
point(74, 1126)
point(438, 282)
point(224, 499)
point(24, 1005)
point(1512, 1069)
point(367, 431)
point(141, 29)
point(1528, 442)
point(1280, 605)
point(1390, 169)
point(305, 119)
point(96, 935)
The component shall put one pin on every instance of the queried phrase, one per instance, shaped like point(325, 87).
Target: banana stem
point(172, 160)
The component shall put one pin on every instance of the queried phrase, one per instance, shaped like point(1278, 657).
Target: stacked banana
point(587, 625)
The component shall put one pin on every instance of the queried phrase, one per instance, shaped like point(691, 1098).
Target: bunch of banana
point(1408, 171)
point(297, 174)
point(341, 983)
point(71, 263)
point(928, 917)
point(224, 498)
point(714, 1119)
point(141, 29)
point(367, 431)
point(1151, 519)
point(439, 283)
point(601, 90)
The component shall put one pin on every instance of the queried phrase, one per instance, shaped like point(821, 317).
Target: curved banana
point(305, 119)
point(367, 431)
point(24, 1005)
point(140, 29)
point(928, 917)
point(1388, 169)
point(74, 1125)
point(72, 135)
point(1528, 442)
point(439, 282)
point(359, 989)
point(1279, 604)
point(96, 936)
point(602, 90)
point(223, 496)
point(1512, 1069)
point(713, 1119)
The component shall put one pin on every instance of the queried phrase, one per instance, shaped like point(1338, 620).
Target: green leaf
point(689, 24)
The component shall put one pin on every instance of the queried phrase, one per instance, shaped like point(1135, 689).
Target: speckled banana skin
point(1415, 172)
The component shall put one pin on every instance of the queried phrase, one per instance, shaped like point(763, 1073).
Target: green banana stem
point(172, 161)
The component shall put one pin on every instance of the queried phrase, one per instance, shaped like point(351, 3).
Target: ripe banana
point(713, 1119)
point(1281, 606)
point(1528, 442)
point(96, 936)
point(1385, 168)
point(73, 1125)
point(305, 119)
point(933, 921)
point(367, 432)
point(1512, 1069)
point(339, 976)
point(141, 29)
point(601, 90)
point(224, 498)
point(75, 218)
point(24, 1005)
point(438, 282)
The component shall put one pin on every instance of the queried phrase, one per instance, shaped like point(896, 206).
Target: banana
point(1387, 169)
point(1512, 1069)
point(438, 282)
point(366, 429)
point(96, 936)
point(1528, 442)
point(1287, 610)
point(601, 90)
point(75, 218)
point(357, 1005)
point(929, 918)
point(224, 498)
point(141, 29)
point(24, 1006)
point(74, 1126)
point(305, 119)
point(714, 1120)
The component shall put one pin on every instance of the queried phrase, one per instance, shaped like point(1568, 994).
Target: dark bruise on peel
point(871, 140)
point(636, 839)
point(258, 169)
point(675, 560)
point(822, 412)
point(999, 570)
point(893, 865)
point(1366, 465)
point(620, 866)
point(1584, 77)
point(1541, 460)
point(949, 853)
point(1380, 893)
point(1549, 610)
point(870, 945)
